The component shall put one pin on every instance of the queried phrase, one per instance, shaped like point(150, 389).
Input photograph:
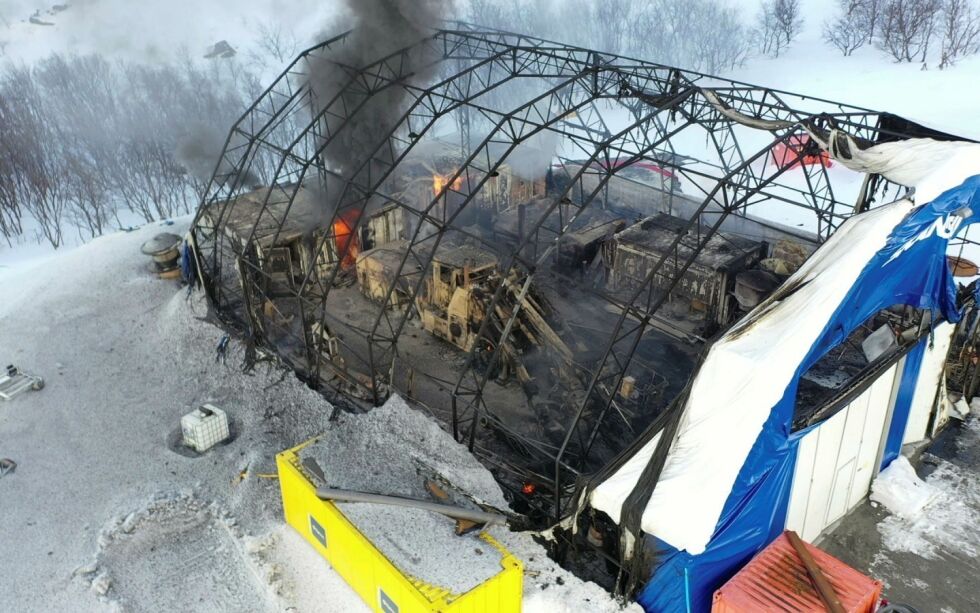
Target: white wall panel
point(930, 373)
point(836, 461)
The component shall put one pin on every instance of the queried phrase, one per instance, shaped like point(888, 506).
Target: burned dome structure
point(534, 243)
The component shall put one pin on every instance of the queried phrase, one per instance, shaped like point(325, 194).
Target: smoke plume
point(531, 159)
point(380, 28)
point(200, 148)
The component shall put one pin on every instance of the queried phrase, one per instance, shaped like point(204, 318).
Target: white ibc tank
point(204, 427)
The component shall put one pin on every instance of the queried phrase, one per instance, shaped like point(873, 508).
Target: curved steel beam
point(731, 204)
point(639, 128)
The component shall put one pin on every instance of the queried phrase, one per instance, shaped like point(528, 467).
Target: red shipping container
point(776, 580)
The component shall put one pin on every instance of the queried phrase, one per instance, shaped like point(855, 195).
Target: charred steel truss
point(282, 140)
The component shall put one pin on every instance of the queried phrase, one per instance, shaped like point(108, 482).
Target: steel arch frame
point(663, 100)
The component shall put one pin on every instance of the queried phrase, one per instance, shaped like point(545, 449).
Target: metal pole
point(480, 517)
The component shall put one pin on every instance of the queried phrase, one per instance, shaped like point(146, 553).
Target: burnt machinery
point(457, 222)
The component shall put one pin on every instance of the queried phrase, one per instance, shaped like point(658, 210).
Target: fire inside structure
point(534, 243)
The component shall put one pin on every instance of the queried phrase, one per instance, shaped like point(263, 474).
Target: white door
point(837, 460)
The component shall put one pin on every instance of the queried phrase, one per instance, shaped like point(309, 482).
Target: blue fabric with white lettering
point(911, 269)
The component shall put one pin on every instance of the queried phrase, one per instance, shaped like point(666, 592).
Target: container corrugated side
point(381, 585)
point(776, 580)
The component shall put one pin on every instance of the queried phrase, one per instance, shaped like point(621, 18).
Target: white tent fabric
point(744, 375)
point(748, 370)
point(931, 166)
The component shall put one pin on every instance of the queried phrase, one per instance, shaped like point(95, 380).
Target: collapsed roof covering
point(721, 485)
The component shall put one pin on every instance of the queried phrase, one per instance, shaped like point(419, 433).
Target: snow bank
point(946, 524)
point(181, 551)
point(900, 490)
point(392, 451)
point(154, 31)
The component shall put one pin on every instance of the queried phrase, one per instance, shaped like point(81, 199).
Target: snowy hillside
point(101, 508)
point(869, 78)
point(173, 31)
point(151, 31)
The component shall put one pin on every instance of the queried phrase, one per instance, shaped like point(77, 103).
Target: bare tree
point(906, 28)
point(279, 43)
point(39, 175)
point(960, 30)
point(789, 20)
point(779, 22)
point(649, 33)
point(612, 20)
point(11, 210)
point(80, 100)
point(850, 30)
point(719, 41)
point(656, 31)
point(869, 12)
point(703, 35)
point(488, 13)
point(696, 34)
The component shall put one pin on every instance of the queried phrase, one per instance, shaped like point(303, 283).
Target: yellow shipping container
point(384, 587)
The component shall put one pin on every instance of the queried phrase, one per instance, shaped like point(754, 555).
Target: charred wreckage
point(533, 242)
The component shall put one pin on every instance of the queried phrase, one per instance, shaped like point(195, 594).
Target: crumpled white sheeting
point(744, 376)
point(931, 166)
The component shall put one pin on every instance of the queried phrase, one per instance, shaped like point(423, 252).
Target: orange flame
point(439, 183)
point(344, 239)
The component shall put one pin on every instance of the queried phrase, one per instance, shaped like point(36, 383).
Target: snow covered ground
point(102, 512)
point(869, 78)
point(152, 31)
point(922, 539)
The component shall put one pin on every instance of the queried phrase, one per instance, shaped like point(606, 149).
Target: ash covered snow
point(423, 545)
point(396, 448)
point(102, 512)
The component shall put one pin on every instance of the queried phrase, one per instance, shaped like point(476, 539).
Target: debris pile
point(13, 383)
point(900, 490)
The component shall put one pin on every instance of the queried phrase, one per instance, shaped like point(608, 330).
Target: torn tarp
point(724, 488)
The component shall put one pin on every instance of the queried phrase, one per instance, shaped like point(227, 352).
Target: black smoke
point(380, 28)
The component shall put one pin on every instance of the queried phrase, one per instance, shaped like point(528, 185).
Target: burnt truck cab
point(450, 303)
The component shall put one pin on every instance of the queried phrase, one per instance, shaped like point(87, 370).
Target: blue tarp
point(188, 267)
point(903, 403)
point(911, 269)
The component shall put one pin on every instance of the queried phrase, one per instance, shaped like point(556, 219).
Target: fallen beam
point(480, 517)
